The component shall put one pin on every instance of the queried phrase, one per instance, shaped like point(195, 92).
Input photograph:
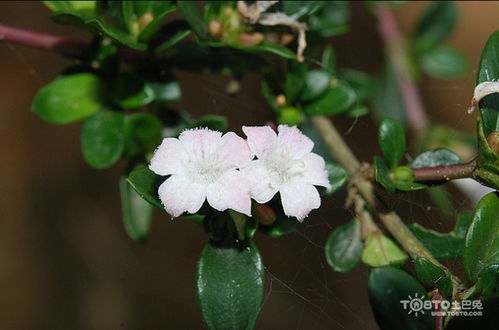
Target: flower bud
point(250, 39)
point(290, 116)
point(264, 214)
point(493, 141)
point(280, 100)
point(145, 20)
point(215, 28)
point(402, 173)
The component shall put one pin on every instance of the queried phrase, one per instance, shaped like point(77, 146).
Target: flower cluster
point(205, 165)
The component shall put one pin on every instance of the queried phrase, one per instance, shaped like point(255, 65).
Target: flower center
point(282, 167)
point(206, 170)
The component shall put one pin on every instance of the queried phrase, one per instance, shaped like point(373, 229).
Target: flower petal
point(263, 184)
point(234, 151)
point(201, 142)
point(297, 143)
point(169, 158)
point(261, 139)
point(179, 195)
point(314, 171)
point(299, 199)
point(230, 191)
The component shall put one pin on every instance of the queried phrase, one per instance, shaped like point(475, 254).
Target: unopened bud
point(250, 39)
point(286, 39)
point(145, 20)
point(264, 213)
point(402, 173)
point(280, 100)
point(290, 116)
point(215, 28)
point(493, 141)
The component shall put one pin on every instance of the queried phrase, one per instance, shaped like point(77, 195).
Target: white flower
point(203, 164)
point(286, 165)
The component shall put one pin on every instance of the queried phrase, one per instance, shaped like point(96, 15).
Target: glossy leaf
point(335, 100)
point(329, 59)
point(282, 226)
point(316, 83)
point(264, 47)
point(69, 98)
point(435, 25)
point(389, 289)
point(103, 138)
point(171, 34)
point(87, 7)
point(297, 9)
point(338, 176)
point(137, 213)
point(143, 133)
point(482, 240)
point(194, 17)
point(146, 183)
point(330, 20)
point(214, 122)
point(387, 99)
point(392, 141)
point(130, 91)
point(230, 286)
point(436, 157)
point(446, 287)
point(165, 91)
point(444, 63)
point(294, 81)
point(380, 251)
point(383, 174)
point(427, 272)
point(114, 33)
point(344, 247)
point(443, 246)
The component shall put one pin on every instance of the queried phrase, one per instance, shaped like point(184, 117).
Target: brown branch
point(445, 173)
point(64, 45)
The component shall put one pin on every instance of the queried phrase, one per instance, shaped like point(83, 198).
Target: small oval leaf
point(69, 98)
point(344, 246)
point(230, 286)
point(137, 213)
point(103, 138)
point(436, 157)
point(392, 141)
point(481, 248)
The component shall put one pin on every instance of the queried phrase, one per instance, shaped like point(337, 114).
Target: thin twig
point(64, 45)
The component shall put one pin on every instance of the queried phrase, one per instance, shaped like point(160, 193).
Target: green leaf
point(290, 116)
point(335, 100)
point(230, 286)
point(427, 272)
point(387, 100)
point(69, 98)
point(316, 83)
point(282, 226)
point(392, 141)
point(194, 17)
point(481, 248)
point(408, 186)
point(389, 289)
point(381, 251)
point(130, 91)
point(143, 133)
point(103, 138)
point(297, 9)
point(338, 176)
point(146, 183)
point(436, 157)
point(114, 33)
point(329, 59)
point(137, 213)
point(383, 175)
point(174, 32)
point(444, 62)
point(436, 24)
point(443, 246)
point(330, 20)
point(294, 81)
point(488, 281)
point(344, 247)
point(239, 220)
point(214, 122)
point(165, 91)
point(488, 69)
point(446, 287)
point(86, 7)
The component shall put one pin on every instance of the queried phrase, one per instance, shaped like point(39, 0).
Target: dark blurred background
point(65, 259)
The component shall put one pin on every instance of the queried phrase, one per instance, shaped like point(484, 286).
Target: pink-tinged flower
point(203, 164)
point(286, 165)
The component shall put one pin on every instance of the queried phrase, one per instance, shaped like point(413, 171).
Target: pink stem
point(445, 173)
point(65, 45)
point(394, 42)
